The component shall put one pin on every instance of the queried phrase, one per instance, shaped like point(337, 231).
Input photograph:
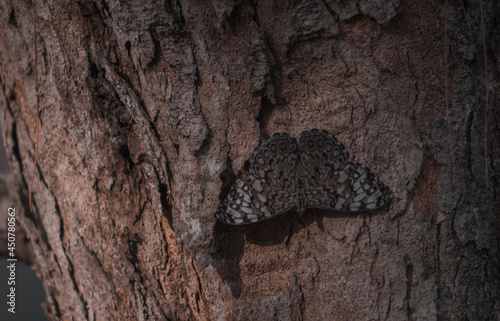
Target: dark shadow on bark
point(228, 245)
point(229, 240)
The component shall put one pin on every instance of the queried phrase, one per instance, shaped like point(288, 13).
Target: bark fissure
point(74, 281)
point(409, 284)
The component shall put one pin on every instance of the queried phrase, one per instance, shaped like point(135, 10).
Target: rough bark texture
point(148, 108)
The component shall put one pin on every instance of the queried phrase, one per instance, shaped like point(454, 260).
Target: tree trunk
point(149, 110)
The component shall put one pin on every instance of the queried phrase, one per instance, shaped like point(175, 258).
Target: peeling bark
point(150, 109)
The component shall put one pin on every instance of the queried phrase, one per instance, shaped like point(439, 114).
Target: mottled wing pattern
point(332, 181)
point(352, 187)
point(250, 200)
point(320, 153)
point(359, 188)
point(269, 188)
point(276, 161)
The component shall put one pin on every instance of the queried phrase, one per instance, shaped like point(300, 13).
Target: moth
point(314, 172)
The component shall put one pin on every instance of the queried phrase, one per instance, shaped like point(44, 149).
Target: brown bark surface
point(149, 108)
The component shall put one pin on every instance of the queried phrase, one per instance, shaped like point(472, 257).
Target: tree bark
point(149, 110)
